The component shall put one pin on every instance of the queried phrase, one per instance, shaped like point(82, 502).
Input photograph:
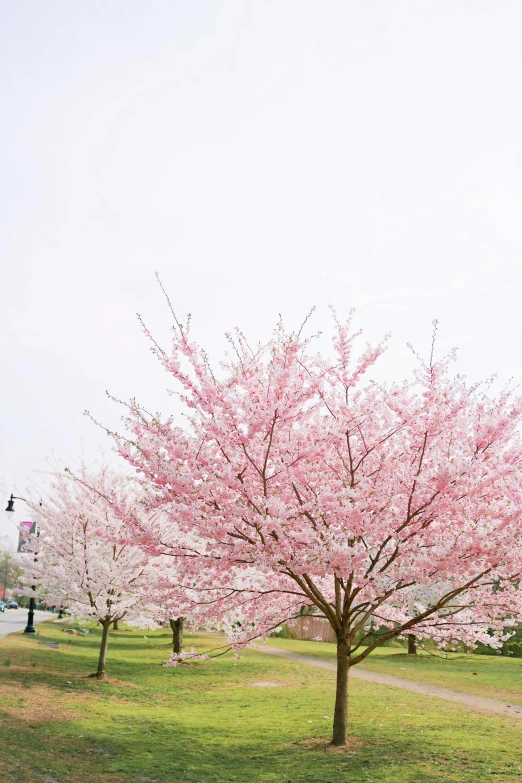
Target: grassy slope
point(201, 724)
point(496, 677)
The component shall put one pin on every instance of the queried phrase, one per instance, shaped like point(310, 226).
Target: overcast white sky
point(263, 157)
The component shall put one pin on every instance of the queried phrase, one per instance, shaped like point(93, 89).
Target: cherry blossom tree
point(304, 483)
point(85, 560)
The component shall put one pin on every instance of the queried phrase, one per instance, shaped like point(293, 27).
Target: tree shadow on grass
point(129, 678)
point(166, 752)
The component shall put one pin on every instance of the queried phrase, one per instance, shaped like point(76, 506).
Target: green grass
point(203, 724)
point(496, 677)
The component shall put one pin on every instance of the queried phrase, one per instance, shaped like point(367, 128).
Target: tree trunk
point(177, 633)
point(100, 674)
point(340, 721)
point(115, 626)
point(412, 644)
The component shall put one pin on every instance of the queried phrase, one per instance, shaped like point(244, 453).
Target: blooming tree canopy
point(307, 484)
point(84, 559)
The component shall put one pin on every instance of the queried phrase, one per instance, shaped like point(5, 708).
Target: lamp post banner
point(25, 529)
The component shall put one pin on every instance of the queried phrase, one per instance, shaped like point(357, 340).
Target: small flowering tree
point(84, 558)
point(306, 484)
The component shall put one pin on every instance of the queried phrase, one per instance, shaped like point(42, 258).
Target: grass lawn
point(496, 677)
point(203, 724)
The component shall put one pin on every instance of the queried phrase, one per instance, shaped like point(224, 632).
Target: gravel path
point(476, 703)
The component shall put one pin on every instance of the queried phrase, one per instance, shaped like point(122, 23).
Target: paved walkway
point(477, 703)
point(16, 619)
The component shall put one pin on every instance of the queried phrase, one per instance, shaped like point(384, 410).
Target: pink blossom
point(302, 483)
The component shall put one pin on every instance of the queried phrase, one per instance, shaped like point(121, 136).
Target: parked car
point(12, 605)
point(2, 606)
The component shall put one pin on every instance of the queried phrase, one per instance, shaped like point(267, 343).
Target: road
point(16, 619)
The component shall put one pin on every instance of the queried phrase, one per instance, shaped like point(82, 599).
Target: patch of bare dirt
point(315, 745)
point(38, 705)
point(113, 681)
point(264, 684)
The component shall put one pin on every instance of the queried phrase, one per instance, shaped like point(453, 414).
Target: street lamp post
point(10, 505)
point(29, 628)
